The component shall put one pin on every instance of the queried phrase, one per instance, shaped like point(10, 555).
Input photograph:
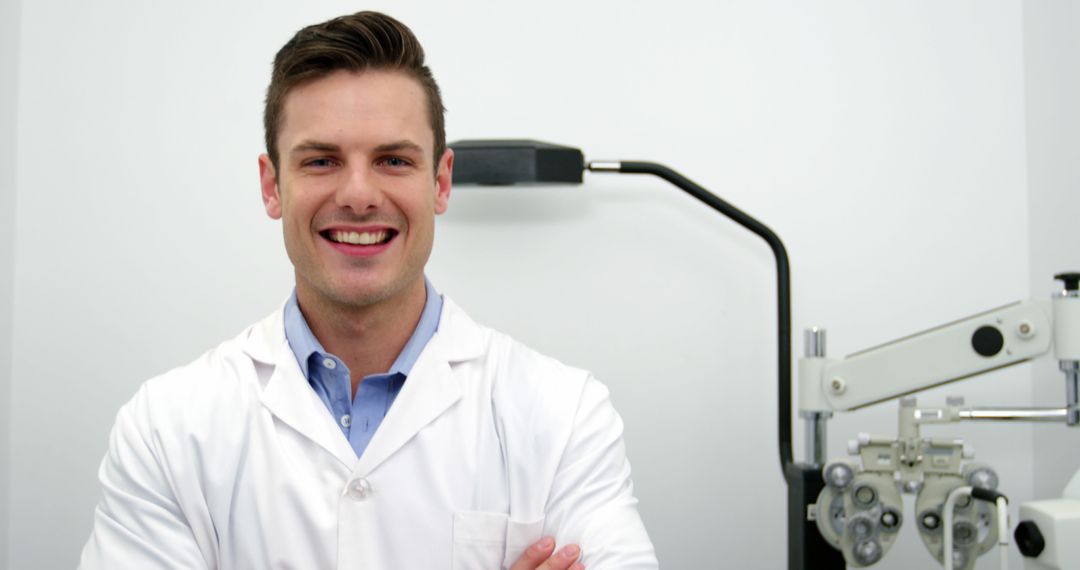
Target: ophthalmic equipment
point(846, 512)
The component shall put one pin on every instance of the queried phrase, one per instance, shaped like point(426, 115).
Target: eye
point(321, 162)
point(395, 162)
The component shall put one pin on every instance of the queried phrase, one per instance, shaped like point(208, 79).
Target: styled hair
point(356, 43)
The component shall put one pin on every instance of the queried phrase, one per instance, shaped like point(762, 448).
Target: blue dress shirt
point(359, 417)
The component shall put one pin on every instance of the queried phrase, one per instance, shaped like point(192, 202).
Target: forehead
point(351, 109)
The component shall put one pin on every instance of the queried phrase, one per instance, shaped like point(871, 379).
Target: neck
point(366, 337)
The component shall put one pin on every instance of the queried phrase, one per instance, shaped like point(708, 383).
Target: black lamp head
point(505, 162)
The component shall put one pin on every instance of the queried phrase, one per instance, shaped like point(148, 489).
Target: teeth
point(359, 238)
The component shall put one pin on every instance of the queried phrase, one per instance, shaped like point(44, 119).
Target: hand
point(541, 556)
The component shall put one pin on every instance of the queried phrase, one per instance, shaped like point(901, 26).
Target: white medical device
point(858, 507)
point(959, 514)
point(1049, 531)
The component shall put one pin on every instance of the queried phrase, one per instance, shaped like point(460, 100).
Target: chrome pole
point(816, 423)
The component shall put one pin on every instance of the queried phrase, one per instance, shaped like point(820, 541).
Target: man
point(369, 423)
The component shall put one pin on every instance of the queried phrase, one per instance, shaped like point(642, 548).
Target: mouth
point(365, 238)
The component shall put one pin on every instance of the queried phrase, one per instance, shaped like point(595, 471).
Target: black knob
point(987, 341)
point(1071, 280)
point(1029, 540)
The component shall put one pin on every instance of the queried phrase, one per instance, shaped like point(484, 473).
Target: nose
point(359, 190)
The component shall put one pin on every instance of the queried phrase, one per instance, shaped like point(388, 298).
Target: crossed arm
point(542, 556)
point(590, 509)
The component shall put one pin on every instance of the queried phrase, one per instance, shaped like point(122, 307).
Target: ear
point(271, 197)
point(443, 178)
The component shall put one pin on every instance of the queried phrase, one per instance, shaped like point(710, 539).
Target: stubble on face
point(354, 288)
point(357, 151)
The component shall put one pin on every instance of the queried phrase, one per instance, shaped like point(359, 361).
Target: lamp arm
point(783, 283)
point(806, 547)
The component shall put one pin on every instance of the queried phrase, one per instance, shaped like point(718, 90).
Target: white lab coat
point(233, 462)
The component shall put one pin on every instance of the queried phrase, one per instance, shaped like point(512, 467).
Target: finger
point(563, 559)
point(535, 554)
point(577, 566)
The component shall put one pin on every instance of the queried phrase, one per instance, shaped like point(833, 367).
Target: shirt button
point(329, 363)
point(359, 489)
point(346, 421)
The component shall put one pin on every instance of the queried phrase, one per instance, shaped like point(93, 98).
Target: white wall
point(1052, 57)
point(883, 141)
point(9, 49)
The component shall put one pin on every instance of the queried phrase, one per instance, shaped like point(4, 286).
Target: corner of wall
point(1051, 56)
point(10, 18)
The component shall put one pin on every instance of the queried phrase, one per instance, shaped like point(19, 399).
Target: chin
point(367, 294)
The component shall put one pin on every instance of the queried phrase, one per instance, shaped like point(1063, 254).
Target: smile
point(359, 238)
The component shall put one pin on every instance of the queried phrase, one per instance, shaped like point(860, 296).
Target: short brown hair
point(361, 41)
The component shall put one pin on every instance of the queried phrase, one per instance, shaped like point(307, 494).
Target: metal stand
point(807, 549)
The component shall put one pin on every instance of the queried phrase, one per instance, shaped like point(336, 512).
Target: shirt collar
point(425, 329)
point(304, 344)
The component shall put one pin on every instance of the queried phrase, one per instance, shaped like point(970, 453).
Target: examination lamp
point(507, 162)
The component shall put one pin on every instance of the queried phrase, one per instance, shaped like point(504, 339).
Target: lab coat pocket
point(479, 540)
point(519, 536)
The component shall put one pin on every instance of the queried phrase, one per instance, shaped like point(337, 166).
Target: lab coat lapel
point(431, 388)
point(429, 391)
point(287, 394)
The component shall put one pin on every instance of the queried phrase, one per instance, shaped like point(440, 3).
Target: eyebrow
point(400, 145)
point(314, 145)
point(310, 145)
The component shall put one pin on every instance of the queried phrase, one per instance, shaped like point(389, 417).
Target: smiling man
point(369, 423)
